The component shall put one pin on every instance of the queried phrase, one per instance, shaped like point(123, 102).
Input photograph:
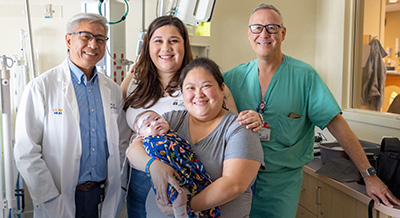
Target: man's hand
point(378, 191)
point(251, 119)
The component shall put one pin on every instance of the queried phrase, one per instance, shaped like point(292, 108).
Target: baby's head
point(150, 123)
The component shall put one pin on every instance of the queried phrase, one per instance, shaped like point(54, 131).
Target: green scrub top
point(296, 88)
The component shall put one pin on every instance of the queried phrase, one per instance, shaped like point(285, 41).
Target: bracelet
point(190, 211)
point(188, 203)
point(146, 169)
point(189, 207)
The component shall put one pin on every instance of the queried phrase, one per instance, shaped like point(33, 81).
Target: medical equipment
point(19, 73)
point(9, 201)
point(114, 64)
point(191, 12)
point(11, 91)
point(139, 44)
point(142, 33)
point(32, 71)
point(122, 18)
point(166, 7)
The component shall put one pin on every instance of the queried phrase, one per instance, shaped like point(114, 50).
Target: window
point(369, 125)
point(377, 21)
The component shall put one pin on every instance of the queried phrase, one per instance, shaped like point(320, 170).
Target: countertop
point(353, 189)
point(393, 72)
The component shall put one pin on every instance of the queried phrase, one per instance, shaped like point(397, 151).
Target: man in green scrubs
point(292, 98)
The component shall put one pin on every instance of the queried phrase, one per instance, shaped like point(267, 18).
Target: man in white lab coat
point(71, 131)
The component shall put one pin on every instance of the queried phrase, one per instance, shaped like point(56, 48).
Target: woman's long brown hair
point(149, 88)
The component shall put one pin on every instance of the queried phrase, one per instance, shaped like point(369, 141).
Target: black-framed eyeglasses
point(270, 28)
point(87, 36)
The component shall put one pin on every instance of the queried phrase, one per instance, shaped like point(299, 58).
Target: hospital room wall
point(317, 33)
point(228, 43)
point(48, 33)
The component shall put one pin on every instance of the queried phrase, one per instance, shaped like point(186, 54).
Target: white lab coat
point(48, 144)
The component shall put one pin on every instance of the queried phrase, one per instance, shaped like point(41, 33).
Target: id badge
point(265, 132)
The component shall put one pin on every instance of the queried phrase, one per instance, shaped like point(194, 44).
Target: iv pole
point(32, 72)
point(10, 200)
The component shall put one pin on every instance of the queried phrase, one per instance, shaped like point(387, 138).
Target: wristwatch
point(368, 172)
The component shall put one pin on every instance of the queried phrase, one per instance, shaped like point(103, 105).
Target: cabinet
point(304, 213)
point(200, 50)
point(324, 197)
point(319, 199)
point(309, 196)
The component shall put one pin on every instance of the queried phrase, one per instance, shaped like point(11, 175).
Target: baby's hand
point(179, 206)
point(180, 200)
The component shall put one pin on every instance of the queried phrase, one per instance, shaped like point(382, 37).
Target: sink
point(332, 150)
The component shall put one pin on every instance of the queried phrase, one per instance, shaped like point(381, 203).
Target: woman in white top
point(154, 84)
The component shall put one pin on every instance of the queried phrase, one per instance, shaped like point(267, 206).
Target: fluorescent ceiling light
point(393, 1)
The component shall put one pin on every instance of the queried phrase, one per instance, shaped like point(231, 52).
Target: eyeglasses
point(270, 28)
point(87, 36)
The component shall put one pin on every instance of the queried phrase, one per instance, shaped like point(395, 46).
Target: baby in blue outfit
point(162, 143)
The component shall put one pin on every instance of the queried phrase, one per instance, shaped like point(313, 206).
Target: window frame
point(363, 118)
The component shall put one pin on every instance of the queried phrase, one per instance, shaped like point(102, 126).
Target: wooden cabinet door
point(308, 194)
point(335, 203)
point(304, 213)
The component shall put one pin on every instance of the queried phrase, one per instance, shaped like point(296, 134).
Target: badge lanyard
point(261, 107)
point(265, 132)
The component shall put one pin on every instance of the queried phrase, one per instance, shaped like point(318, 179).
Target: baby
point(162, 143)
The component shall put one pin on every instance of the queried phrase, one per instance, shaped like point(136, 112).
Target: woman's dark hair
point(207, 64)
point(149, 88)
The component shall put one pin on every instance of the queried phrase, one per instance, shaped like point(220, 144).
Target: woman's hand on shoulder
point(251, 119)
point(162, 175)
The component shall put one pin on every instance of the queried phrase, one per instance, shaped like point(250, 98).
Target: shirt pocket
point(288, 130)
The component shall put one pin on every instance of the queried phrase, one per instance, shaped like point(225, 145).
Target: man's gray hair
point(266, 6)
point(73, 23)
